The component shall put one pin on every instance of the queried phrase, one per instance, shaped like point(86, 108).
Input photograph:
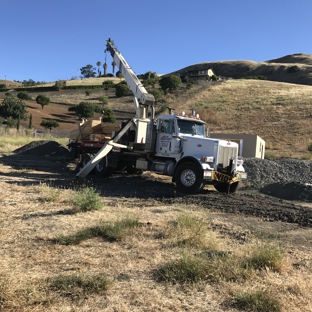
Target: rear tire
point(224, 187)
point(189, 178)
point(85, 158)
point(101, 169)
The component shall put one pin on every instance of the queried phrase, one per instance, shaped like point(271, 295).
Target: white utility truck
point(171, 145)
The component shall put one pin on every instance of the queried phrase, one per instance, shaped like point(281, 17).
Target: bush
point(171, 82)
point(310, 147)
point(24, 96)
point(108, 116)
point(42, 100)
point(158, 93)
point(87, 199)
point(59, 84)
point(103, 99)
point(88, 92)
point(122, 90)
point(49, 124)
point(108, 84)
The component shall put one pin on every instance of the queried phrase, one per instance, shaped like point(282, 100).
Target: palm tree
point(113, 64)
point(105, 68)
point(98, 65)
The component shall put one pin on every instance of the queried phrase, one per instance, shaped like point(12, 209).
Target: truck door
point(167, 143)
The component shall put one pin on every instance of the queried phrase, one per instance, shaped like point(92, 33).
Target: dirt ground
point(29, 226)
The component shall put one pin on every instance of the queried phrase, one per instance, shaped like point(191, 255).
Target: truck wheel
point(85, 158)
point(101, 169)
point(189, 178)
point(224, 187)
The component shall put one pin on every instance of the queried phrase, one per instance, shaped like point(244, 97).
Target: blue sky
point(46, 40)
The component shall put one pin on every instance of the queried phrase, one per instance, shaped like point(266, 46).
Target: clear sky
point(47, 40)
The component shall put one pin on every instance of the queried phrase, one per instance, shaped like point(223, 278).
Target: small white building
point(250, 145)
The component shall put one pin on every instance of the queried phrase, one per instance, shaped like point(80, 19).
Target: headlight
point(207, 159)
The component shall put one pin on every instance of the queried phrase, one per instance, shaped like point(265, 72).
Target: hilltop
point(294, 68)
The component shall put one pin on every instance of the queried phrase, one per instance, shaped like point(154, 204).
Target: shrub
point(42, 100)
point(59, 84)
point(171, 82)
point(48, 193)
point(103, 99)
point(49, 124)
point(24, 96)
point(87, 199)
point(3, 86)
point(108, 115)
point(310, 147)
point(108, 84)
point(158, 93)
point(122, 90)
point(88, 92)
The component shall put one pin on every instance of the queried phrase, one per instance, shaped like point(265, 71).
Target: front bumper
point(216, 176)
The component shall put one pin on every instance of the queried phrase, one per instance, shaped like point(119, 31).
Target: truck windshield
point(191, 127)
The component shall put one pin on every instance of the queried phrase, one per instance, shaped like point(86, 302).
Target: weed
point(80, 285)
point(264, 256)
point(189, 231)
point(109, 232)
point(213, 267)
point(260, 301)
point(87, 199)
point(48, 193)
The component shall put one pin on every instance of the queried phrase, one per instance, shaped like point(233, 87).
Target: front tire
point(224, 187)
point(189, 178)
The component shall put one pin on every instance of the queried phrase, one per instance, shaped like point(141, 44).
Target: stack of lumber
point(94, 130)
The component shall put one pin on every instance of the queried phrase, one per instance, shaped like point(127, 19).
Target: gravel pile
point(284, 178)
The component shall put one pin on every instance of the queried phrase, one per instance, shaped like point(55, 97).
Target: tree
point(13, 107)
point(108, 115)
point(83, 109)
point(49, 124)
point(150, 78)
point(98, 64)
point(88, 71)
point(158, 93)
point(59, 84)
point(30, 122)
point(171, 82)
point(42, 100)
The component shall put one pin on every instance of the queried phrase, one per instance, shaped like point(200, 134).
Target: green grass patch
point(188, 231)
point(259, 301)
point(49, 193)
point(87, 198)
point(110, 232)
point(208, 266)
point(80, 285)
point(264, 256)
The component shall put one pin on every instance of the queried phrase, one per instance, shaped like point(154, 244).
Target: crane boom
point(142, 99)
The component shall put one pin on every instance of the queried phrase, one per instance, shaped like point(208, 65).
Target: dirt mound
point(44, 148)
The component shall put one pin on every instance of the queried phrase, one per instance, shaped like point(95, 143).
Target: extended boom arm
point(142, 99)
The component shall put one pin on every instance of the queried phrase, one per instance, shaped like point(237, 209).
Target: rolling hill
point(279, 109)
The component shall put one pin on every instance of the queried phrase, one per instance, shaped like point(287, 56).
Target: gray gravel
point(284, 178)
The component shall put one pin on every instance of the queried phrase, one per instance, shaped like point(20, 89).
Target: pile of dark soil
point(44, 148)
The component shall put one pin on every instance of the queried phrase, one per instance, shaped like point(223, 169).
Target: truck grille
point(226, 153)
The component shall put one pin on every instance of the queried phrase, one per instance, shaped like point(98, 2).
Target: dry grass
point(99, 274)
